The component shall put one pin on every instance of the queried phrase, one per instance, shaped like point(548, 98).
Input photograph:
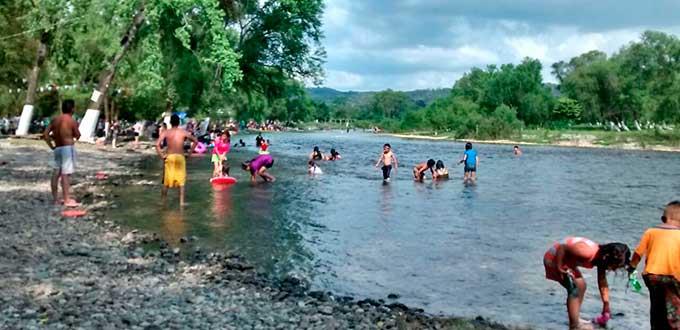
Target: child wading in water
point(313, 169)
point(661, 245)
point(420, 169)
point(440, 171)
point(219, 154)
point(471, 161)
point(387, 158)
point(561, 264)
point(259, 166)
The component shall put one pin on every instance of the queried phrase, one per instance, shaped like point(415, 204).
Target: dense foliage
point(207, 57)
point(248, 59)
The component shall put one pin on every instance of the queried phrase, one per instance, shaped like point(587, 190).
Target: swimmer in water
point(516, 151)
point(387, 158)
point(313, 169)
point(316, 154)
point(264, 149)
point(440, 171)
point(562, 262)
point(259, 166)
point(471, 161)
point(240, 143)
point(420, 169)
point(334, 155)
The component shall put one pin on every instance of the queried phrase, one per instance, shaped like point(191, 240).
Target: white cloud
point(409, 44)
point(527, 47)
point(343, 80)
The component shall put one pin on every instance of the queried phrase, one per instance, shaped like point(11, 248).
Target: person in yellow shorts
point(175, 172)
point(661, 245)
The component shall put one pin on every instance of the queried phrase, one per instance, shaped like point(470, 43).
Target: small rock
point(327, 310)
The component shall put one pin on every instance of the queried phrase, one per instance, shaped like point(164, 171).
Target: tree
point(278, 40)
point(567, 109)
point(390, 104)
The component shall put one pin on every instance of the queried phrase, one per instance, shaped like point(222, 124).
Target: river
point(446, 247)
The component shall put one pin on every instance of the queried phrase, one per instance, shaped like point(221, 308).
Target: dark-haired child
point(334, 155)
point(420, 169)
point(471, 161)
point(562, 262)
point(387, 158)
point(440, 171)
point(661, 246)
point(259, 166)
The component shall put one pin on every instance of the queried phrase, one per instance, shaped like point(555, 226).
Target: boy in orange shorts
point(661, 245)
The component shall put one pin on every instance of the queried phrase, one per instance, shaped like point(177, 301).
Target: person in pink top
point(562, 262)
point(221, 147)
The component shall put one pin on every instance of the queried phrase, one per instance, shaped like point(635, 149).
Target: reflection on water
point(222, 208)
point(463, 250)
point(173, 225)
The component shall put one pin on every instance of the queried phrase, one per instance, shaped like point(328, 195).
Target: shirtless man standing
point(63, 130)
point(175, 173)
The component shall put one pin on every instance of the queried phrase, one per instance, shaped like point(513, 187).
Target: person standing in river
point(387, 158)
point(562, 262)
point(174, 175)
point(661, 246)
point(471, 161)
point(63, 130)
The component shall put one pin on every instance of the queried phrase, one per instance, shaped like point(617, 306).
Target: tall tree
point(278, 40)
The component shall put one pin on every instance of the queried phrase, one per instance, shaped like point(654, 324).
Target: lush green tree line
point(248, 59)
point(223, 58)
point(641, 82)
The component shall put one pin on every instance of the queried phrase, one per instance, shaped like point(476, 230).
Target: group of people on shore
point(661, 247)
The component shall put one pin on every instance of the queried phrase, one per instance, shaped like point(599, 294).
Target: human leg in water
point(576, 290)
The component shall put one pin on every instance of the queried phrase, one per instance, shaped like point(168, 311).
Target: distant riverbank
point(634, 140)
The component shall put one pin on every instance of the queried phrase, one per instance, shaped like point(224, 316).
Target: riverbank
point(645, 140)
point(89, 272)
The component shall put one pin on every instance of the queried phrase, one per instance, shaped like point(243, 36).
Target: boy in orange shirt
point(661, 245)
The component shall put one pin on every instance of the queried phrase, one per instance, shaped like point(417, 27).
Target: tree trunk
point(33, 77)
point(107, 76)
point(107, 117)
point(35, 72)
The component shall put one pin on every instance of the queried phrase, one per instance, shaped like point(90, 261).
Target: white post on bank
point(25, 120)
point(88, 124)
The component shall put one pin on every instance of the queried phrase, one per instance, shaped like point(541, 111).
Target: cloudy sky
point(412, 44)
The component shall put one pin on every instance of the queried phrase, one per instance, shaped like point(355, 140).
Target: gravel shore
point(88, 273)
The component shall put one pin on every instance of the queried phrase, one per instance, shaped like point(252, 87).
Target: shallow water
point(447, 247)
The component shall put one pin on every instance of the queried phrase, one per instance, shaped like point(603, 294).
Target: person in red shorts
point(562, 262)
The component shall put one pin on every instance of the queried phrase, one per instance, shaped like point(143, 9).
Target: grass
point(642, 139)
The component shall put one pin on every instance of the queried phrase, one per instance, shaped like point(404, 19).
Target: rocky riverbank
point(88, 273)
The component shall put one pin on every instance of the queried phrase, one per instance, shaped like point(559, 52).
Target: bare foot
point(71, 203)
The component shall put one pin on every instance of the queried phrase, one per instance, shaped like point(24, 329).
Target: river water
point(445, 247)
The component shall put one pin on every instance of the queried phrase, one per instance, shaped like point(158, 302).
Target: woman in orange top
point(661, 245)
point(561, 263)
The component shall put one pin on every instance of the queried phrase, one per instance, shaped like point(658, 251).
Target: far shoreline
point(566, 143)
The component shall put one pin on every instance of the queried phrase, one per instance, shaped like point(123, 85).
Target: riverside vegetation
point(232, 59)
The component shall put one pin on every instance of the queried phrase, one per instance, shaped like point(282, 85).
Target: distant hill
point(328, 95)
